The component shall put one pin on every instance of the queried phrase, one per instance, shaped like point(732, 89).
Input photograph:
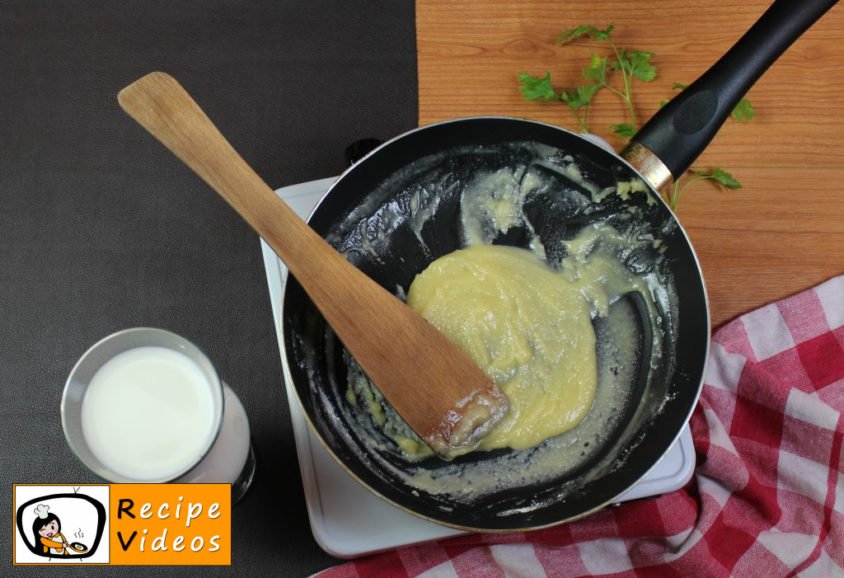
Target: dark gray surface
point(102, 229)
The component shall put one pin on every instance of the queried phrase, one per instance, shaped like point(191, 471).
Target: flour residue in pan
point(541, 199)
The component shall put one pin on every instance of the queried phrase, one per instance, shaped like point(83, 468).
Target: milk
point(150, 413)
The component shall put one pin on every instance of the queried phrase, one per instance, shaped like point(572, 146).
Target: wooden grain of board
point(784, 230)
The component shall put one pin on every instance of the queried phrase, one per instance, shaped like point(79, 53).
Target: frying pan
point(78, 547)
point(372, 214)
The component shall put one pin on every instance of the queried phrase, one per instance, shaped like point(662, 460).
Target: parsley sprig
point(719, 176)
point(631, 64)
point(601, 74)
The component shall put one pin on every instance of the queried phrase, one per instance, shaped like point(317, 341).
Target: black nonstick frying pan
point(398, 209)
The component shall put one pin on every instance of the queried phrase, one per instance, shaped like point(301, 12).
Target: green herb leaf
point(744, 111)
point(679, 86)
point(585, 30)
point(597, 69)
point(580, 96)
point(721, 177)
point(637, 63)
point(624, 130)
point(537, 87)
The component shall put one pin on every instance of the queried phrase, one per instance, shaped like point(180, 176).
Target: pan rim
point(287, 373)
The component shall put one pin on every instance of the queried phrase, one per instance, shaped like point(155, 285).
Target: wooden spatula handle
point(428, 380)
point(160, 104)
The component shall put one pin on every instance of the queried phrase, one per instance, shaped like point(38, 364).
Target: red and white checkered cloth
point(767, 497)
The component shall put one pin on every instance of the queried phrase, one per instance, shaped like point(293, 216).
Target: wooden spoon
point(433, 385)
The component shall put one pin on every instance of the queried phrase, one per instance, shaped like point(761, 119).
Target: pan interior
point(392, 222)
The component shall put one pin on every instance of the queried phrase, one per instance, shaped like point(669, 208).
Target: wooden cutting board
point(784, 230)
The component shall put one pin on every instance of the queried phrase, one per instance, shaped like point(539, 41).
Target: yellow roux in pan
point(527, 325)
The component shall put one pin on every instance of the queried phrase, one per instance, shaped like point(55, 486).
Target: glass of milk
point(145, 405)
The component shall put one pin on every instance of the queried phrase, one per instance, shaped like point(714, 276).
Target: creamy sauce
point(601, 326)
point(525, 326)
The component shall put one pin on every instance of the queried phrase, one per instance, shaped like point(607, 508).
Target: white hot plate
point(347, 520)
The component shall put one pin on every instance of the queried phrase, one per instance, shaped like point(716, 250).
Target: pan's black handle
point(681, 130)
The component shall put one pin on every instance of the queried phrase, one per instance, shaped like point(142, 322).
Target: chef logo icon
point(60, 527)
